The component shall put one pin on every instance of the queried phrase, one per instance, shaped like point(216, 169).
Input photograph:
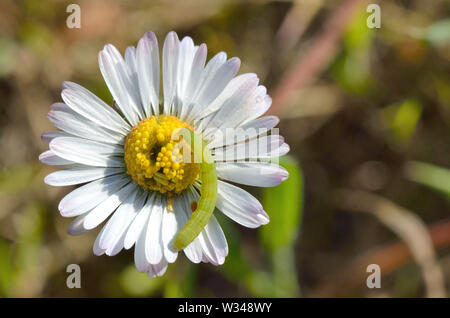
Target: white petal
point(185, 58)
point(188, 51)
point(131, 68)
point(127, 72)
point(230, 112)
point(213, 83)
point(194, 251)
point(49, 158)
point(96, 247)
point(69, 121)
point(116, 221)
point(87, 197)
point(139, 203)
point(194, 87)
point(153, 244)
point(209, 254)
point(259, 174)
point(227, 93)
point(248, 131)
point(267, 122)
point(76, 227)
point(240, 206)
point(147, 58)
point(193, 71)
point(217, 241)
point(87, 152)
point(264, 147)
point(120, 244)
point(104, 209)
point(169, 230)
point(170, 65)
point(130, 61)
point(139, 223)
point(257, 105)
point(117, 247)
point(77, 176)
point(113, 239)
point(93, 108)
point(157, 270)
point(88, 146)
point(117, 76)
point(50, 135)
point(139, 250)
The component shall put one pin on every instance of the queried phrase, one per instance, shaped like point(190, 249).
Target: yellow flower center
point(154, 159)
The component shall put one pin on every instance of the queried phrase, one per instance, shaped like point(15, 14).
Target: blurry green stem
point(284, 276)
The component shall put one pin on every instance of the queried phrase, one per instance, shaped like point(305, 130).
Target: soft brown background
point(357, 106)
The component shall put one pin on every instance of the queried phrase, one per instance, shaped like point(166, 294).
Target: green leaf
point(406, 118)
point(357, 34)
point(432, 176)
point(283, 203)
point(402, 120)
point(352, 68)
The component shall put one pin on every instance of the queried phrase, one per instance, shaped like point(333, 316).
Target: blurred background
point(365, 111)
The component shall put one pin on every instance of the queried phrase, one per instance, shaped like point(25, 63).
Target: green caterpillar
point(208, 196)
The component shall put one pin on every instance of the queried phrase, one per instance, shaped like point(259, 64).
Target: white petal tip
point(127, 245)
point(48, 180)
point(66, 85)
point(284, 176)
point(150, 35)
point(98, 252)
point(275, 119)
point(172, 34)
point(263, 218)
point(62, 209)
point(44, 138)
point(112, 252)
point(102, 55)
point(171, 258)
point(196, 260)
point(76, 232)
point(235, 62)
point(42, 157)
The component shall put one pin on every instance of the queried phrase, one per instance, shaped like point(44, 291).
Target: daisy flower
point(131, 168)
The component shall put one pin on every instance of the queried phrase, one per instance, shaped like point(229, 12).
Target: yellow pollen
point(154, 160)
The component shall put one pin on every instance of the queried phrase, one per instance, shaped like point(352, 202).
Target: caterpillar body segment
point(208, 196)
